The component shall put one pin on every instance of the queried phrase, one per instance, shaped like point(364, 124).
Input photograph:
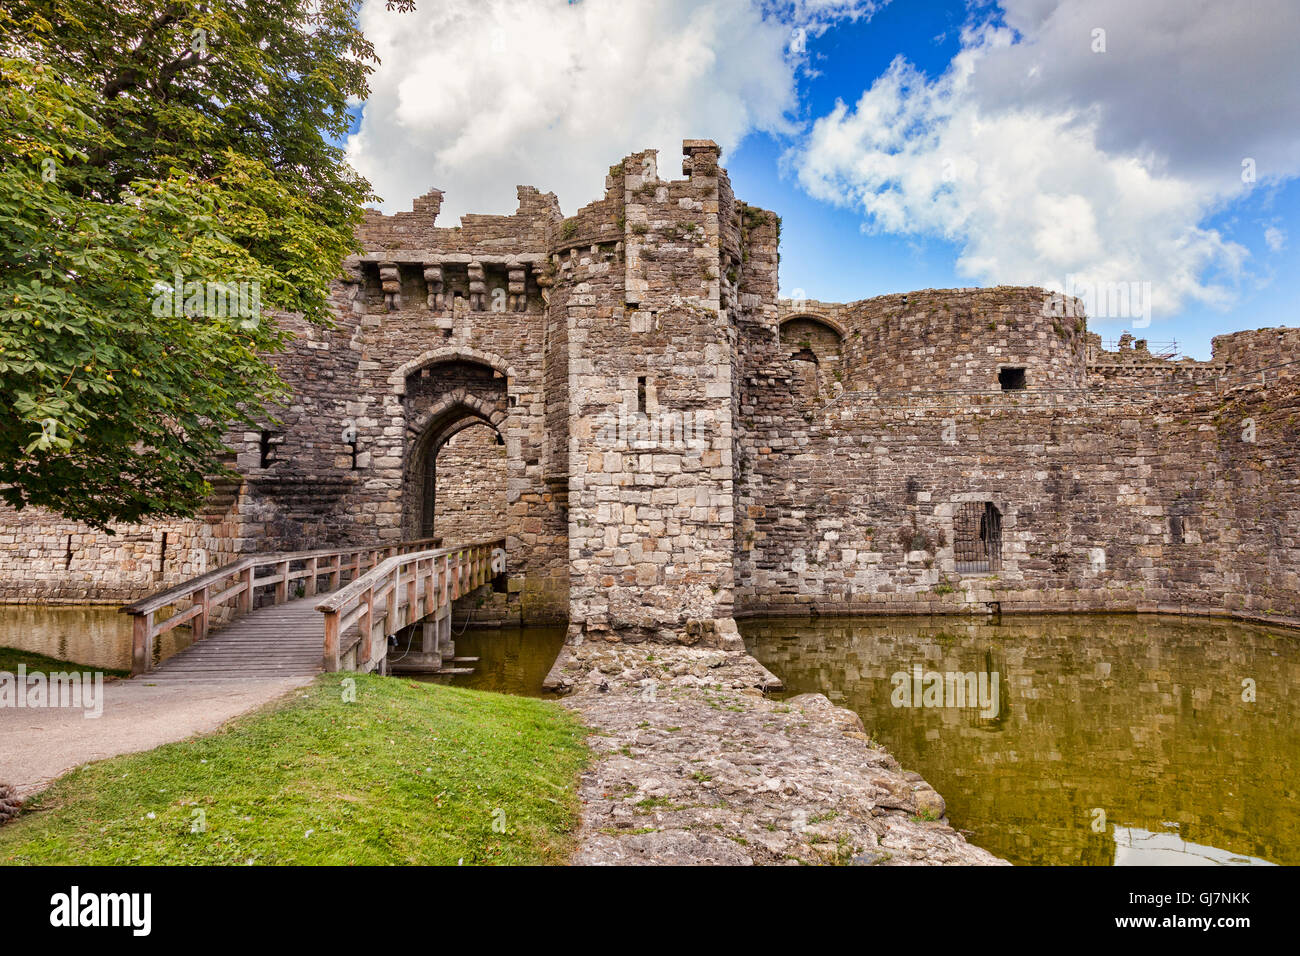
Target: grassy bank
point(408, 773)
point(11, 657)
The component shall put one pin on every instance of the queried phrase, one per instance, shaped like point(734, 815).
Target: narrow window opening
point(1176, 529)
point(349, 437)
point(1011, 379)
point(977, 537)
point(640, 393)
point(67, 560)
point(266, 449)
point(162, 554)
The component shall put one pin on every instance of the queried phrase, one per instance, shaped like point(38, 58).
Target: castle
point(667, 445)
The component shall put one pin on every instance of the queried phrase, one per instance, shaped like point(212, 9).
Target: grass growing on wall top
point(411, 773)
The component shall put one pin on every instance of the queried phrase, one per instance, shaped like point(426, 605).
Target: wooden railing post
point(336, 572)
point(246, 595)
point(282, 585)
point(141, 652)
point(430, 583)
point(331, 661)
point(201, 622)
point(312, 565)
point(367, 628)
point(412, 590)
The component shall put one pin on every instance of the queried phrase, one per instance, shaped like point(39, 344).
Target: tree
point(169, 178)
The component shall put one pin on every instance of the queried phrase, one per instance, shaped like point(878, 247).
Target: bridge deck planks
point(280, 640)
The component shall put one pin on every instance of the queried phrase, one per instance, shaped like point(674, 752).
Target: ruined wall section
point(297, 469)
point(958, 339)
point(47, 559)
point(587, 259)
point(1177, 500)
point(1132, 365)
point(1274, 353)
point(762, 367)
point(1257, 452)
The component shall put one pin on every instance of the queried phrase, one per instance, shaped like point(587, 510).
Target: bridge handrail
point(446, 573)
point(161, 599)
point(198, 590)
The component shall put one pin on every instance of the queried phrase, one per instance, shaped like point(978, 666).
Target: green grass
point(11, 657)
point(409, 773)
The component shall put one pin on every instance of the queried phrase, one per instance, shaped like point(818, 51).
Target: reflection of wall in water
point(1142, 717)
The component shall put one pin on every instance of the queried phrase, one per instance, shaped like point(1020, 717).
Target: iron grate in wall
point(977, 537)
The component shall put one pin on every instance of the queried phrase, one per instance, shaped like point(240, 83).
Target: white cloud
point(1274, 238)
point(474, 96)
point(1044, 160)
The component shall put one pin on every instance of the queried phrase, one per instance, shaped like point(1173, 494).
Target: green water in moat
point(511, 660)
point(1136, 717)
point(92, 635)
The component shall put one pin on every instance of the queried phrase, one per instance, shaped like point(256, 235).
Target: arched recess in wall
point(815, 346)
point(455, 414)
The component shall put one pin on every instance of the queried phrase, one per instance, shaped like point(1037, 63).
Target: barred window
point(977, 536)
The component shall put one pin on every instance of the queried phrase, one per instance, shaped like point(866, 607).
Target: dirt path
point(39, 744)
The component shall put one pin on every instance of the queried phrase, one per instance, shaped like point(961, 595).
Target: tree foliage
point(150, 146)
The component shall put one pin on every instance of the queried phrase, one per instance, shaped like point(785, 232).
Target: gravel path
point(38, 745)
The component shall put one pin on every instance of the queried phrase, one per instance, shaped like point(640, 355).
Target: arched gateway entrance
point(455, 464)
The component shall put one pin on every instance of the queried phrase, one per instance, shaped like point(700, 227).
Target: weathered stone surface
point(694, 765)
point(9, 803)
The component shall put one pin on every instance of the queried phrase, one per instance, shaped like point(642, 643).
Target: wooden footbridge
point(294, 615)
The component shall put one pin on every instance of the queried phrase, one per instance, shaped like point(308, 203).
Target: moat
point(1139, 717)
point(1142, 718)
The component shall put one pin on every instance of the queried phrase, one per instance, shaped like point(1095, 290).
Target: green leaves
point(160, 199)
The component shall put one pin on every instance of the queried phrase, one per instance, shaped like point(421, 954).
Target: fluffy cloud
point(1045, 159)
point(476, 95)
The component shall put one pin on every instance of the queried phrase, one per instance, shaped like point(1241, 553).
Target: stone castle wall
point(45, 558)
point(670, 444)
point(959, 339)
point(1111, 498)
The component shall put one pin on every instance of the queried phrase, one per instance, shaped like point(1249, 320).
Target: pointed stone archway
point(429, 432)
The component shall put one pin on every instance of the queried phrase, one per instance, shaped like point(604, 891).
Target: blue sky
point(1071, 161)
